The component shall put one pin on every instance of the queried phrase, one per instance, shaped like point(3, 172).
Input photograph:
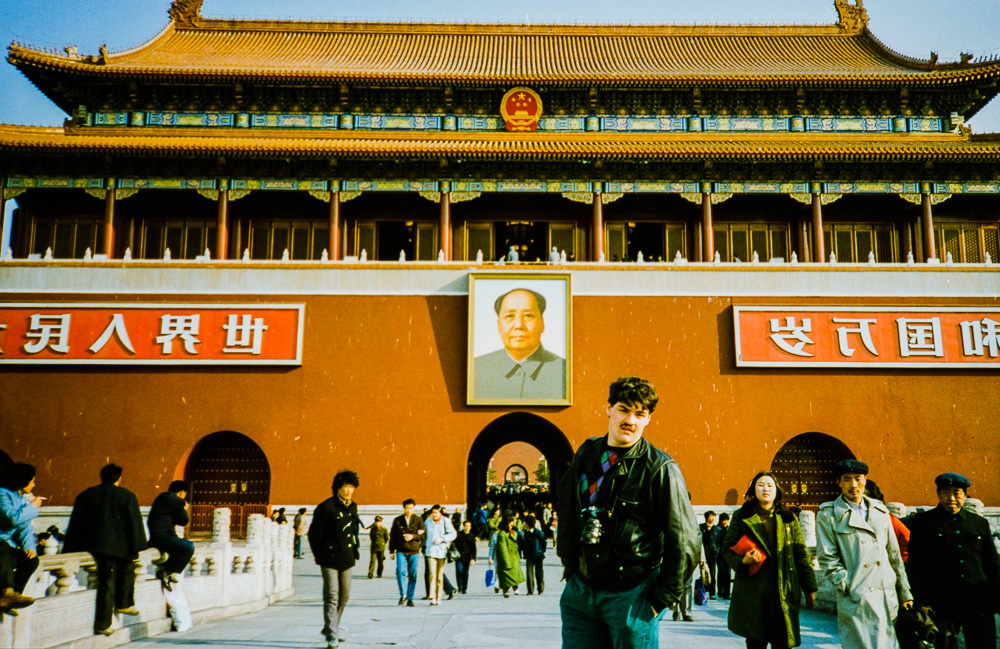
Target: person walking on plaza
point(18, 507)
point(859, 556)
point(534, 547)
point(405, 536)
point(168, 511)
point(953, 566)
point(299, 527)
point(479, 525)
point(107, 523)
point(465, 543)
point(628, 537)
point(725, 575)
point(440, 534)
point(505, 556)
point(711, 539)
point(335, 549)
point(773, 570)
point(379, 539)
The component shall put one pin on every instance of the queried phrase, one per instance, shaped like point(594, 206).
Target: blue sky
point(912, 27)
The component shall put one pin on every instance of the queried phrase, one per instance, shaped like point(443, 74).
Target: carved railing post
point(220, 525)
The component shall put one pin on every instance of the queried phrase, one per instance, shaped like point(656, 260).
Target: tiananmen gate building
point(261, 251)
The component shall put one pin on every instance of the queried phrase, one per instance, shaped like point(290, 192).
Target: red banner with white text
point(151, 334)
point(875, 337)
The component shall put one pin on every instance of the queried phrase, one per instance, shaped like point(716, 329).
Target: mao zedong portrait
point(523, 369)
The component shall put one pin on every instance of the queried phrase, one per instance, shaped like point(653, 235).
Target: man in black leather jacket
point(628, 537)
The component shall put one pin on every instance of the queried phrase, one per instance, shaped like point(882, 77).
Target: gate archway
point(804, 467)
point(227, 469)
point(516, 427)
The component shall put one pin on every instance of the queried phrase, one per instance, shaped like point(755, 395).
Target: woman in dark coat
point(765, 607)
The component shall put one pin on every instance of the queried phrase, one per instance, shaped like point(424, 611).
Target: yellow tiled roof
point(499, 145)
point(477, 53)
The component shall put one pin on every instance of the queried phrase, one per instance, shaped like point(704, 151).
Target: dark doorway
point(227, 469)
point(804, 467)
point(516, 427)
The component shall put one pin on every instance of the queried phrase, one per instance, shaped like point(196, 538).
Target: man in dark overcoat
point(106, 522)
point(168, 511)
point(953, 564)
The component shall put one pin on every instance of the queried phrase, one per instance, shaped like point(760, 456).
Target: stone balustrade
point(224, 578)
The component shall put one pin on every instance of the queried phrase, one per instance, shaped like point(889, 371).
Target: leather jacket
point(648, 523)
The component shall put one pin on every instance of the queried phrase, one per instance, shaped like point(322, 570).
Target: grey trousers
point(336, 592)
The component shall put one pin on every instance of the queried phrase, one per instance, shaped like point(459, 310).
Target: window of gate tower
point(385, 240)
point(656, 240)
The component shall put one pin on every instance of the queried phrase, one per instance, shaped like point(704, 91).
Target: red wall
point(382, 390)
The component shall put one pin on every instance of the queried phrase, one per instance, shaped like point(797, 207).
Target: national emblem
point(521, 107)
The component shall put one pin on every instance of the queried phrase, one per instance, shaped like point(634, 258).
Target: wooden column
point(333, 254)
point(109, 219)
point(598, 227)
point(707, 234)
point(222, 225)
point(444, 225)
point(819, 250)
point(927, 225)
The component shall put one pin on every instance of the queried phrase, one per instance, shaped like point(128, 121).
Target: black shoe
point(688, 618)
point(402, 600)
point(409, 602)
point(428, 597)
point(165, 580)
point(451, 594)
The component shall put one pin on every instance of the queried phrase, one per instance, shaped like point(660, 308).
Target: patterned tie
point(590, 485)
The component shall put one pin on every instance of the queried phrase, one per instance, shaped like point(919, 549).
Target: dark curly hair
point(345, 476)
point(633, 391)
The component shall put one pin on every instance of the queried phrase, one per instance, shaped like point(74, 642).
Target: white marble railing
point(223, 579)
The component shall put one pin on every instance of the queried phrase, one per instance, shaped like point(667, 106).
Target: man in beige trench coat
point(859, 556)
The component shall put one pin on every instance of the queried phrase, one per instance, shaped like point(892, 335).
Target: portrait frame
point(493, 377)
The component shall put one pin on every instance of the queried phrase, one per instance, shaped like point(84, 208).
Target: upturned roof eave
point(972, 73)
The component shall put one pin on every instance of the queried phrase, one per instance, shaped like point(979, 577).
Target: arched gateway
point(516, 427)
point(804, 467)
point(227, 469)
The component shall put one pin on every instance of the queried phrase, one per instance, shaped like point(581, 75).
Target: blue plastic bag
point(491, 577)
point(700, 594)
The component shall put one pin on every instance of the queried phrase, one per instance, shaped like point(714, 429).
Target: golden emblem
point(521, 108)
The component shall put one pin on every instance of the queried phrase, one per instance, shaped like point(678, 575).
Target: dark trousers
point(725, 579)
point(377, 559)
point(980, 632)
point(462, 575)
point(535, 574)
point(6, 567)
point(115, 588)
point(23, 568)
point(297, 547)
point(180, 551)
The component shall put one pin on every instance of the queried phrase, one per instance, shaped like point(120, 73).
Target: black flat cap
point(850, 466)
point(952, 480)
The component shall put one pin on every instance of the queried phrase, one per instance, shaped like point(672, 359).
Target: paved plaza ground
point(479, 620)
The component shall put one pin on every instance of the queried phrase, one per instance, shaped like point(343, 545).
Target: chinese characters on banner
point(878, 337)
point(152, 334)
